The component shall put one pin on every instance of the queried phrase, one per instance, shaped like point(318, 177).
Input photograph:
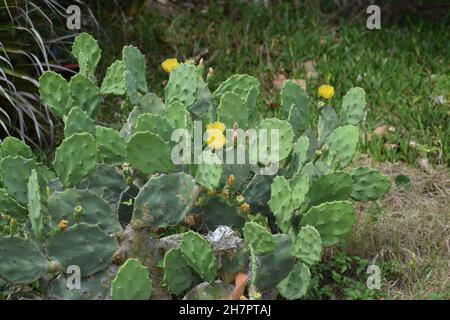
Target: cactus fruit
point(216, 213)
point(330, 187)
point(156, 124)
point(14, 147)
point(210, 291)
point(84, 245)
point(95, 210)
point(368, 184)
point(165, 200)
point(134, 62)
point(353, 106)
point(232, 110)
point(114, 81)
point(293, 95)
point(281, 203)
point(87, 52)
point(299, 186)
point(55, 92)
point(182, 85)
point(131, 282)
point(308, 245)
point(268, 270)
point(283, 146)
point(334, 220)
point(296, 284)
point(328, 121)
point(75, 158)
point(11, 207)
point(343, 141)
point(199, 255)
point(14, 179)
point(258, 238)
point(35, 211)
point(239, 84)
point(111, 146)
point(78, 121)
point(209, 171)
point(177, 274)
point(21, 261)
point(148, 153)
point(94, 287)
point(85, 94)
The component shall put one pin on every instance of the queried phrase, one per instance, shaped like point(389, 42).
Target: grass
point(403, 67)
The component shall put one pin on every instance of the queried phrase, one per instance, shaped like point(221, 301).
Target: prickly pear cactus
point(131, 282)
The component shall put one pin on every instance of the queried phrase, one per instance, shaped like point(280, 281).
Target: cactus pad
point(239, 84)
point(177, 274)
point(54, 91)
point(114, 81)
point(156, 124)
point(75, 158)
point(182, 85)
point(299, 186)
point(111, 146)
point(84, 245)
point(165, 200)
point(217, 213)
point(131, 282)
point(14, 179)
point(85, 48)
point(134, 62)
point(258, 238)
point(342, 142)
point(293, 95)
point(368, 184)
point(296, 284)
point(330, 187)
point(78, 121)
point(14, 147)
point(283, 146)
point(308, 245)
point(85, 94)
point(35, 213)
point(231, 110)
point(353, 106)
point(281, 202)
point(328, 121)
point(11, 207)
point(209, 171)
point(199, 255)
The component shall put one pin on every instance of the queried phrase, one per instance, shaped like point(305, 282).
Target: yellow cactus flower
point(326, 91)
point(216, 125)
point(169, 65)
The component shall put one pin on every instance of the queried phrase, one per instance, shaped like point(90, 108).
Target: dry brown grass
point(410, 229)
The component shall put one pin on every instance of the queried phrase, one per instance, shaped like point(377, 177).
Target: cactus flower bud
point(245, 207)
point(63, 225)
point(230, 180)
point(226, 194)
point(240, 199)
point(211, 193)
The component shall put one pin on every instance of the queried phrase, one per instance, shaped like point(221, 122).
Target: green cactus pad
point(241, 173)
point(369, 184)
point(299, 186)
point(281, 202)
point(75, 158)
point(293, 95)
point(11, 207)
point(251, 103)
point(135, 63)
point(285, 143)
point(156, 124)
point(14, 179)
point(299, 156)
point(14, 147)
point(85, 94)
point(239, 84)
point(177, 274)
point(21, 262)
point(35, 213)
point(95, 210)
point(199, 254)
point(85, 48)
point(308, 245)
point(296, 121)
point(209, 171)
point(178, 116)
point(328, 121)
point(234, 261)
point(268, 270)
point(148, 153)
point(258, 238)
point(94, 287)
point(106, 182)
point(84, 245)
point(257, 193)
point(296, 284)
point(334, 220)
point(165, 200)
point(342, 142)
point(232, 110)
point(182, 85)
point(55, 92)
point(114, 81)
point(330, 187)
point(217, 213)
point(131, 89)
point(210, 291)
point(78, 121)
point(111, 146)
point(353, 106)
point(131, 282)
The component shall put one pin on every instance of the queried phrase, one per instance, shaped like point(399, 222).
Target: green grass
point(395, 65)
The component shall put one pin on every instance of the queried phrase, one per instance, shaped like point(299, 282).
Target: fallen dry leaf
point(310, 69)
point(425, 165)
point(390, 146)
point(382, 130)
point(241, 283)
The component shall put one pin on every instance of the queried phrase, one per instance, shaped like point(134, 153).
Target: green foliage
point(131, 282)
